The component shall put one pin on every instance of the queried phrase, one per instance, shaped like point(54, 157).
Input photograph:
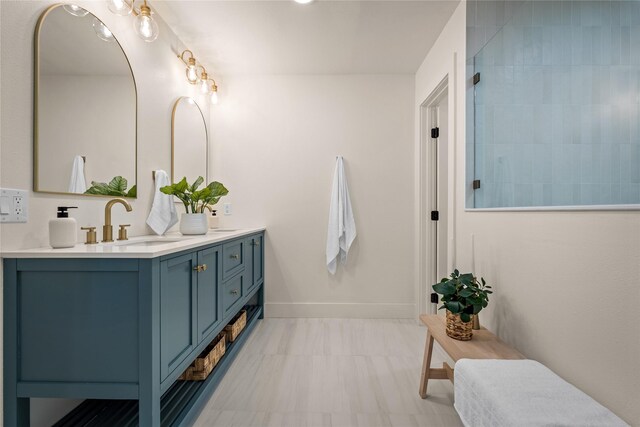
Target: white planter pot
point(194, 223)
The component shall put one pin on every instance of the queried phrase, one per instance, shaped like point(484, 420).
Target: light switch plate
point(14, 205)
point(227, 208)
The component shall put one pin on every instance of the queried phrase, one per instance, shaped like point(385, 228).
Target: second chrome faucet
point(107, 228)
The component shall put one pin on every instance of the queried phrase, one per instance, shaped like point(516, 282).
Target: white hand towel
point(77, 183)
point(342, 227)
point(163, 213)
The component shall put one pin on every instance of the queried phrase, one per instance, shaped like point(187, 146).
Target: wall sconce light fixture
point(204, 81)
point(207, 85)
point(190, 62)
point(214, 92)
point(144, 25)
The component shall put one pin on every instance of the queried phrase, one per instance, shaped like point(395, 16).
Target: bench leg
point(426, 366)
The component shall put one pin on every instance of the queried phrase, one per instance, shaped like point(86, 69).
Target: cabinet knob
point(255, 243)
point(92, 236)
point(234, 292)
point(200, 268)
point(234, 256)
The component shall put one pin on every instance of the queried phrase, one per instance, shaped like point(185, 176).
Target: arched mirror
point(189, 141)
point(84, 107)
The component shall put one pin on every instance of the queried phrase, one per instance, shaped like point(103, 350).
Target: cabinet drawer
point(231, 293)
point(232, 258)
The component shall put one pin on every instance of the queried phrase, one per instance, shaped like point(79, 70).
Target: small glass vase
point(194, 224)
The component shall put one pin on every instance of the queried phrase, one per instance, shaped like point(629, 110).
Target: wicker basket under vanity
point(208, 359)
point(236, 326)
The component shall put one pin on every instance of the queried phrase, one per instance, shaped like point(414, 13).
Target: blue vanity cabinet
point(209, 313)
point(178, 311)
point(254, 254)
point(189, 309)
point(122, 330)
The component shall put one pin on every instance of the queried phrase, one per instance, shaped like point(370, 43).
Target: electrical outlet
point(14, 206)
point(227, 208)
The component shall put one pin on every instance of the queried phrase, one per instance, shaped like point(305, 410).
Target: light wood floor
point(330, 372)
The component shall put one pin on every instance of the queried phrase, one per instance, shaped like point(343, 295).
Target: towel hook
point(84, 159)
point(153, 175)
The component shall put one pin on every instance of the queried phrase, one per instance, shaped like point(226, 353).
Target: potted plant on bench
point(463, 296)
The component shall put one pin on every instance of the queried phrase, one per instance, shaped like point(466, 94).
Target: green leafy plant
point(116, 187)
point(462, 294)
point(194, 200)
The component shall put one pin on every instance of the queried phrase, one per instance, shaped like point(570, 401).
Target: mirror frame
point(173, 137)
point(36, 87)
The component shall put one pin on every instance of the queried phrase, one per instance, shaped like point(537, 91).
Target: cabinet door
point(178, 311)
point(208, 308)
point(257, 245)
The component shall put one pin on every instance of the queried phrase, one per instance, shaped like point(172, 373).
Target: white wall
point(567, 284)
point(275, 142)
point(160, 81)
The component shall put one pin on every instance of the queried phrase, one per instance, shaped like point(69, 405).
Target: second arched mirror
point(189, 141)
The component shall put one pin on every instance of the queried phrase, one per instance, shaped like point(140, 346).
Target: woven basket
point(236, 326)
point(457, 329)
point(208, 359)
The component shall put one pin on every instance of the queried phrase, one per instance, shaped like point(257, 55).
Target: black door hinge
point(476, 78)
point(434, 298)
point(435, 132)
point(435, 215)
point(476, 184)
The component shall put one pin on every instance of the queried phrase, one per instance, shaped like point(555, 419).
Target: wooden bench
point(483, 345)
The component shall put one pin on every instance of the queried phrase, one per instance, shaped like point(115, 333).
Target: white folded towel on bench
point(508, 393)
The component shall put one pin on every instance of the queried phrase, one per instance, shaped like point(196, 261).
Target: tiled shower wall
point(556, 111)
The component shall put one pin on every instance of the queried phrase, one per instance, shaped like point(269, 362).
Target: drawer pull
point(200, 268)
point(234, 256)
point(234, 292)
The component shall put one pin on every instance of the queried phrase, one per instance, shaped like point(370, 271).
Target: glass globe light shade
point(102, 31)
point(75, 10)
point(120, 7)
point(145, 26)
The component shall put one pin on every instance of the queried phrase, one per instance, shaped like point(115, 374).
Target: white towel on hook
point(77, 183)
point(163, 213)
point(342, 227)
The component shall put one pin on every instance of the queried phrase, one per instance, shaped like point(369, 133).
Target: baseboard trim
point(340, 310)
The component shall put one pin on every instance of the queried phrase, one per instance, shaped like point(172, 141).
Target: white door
point(438, 190)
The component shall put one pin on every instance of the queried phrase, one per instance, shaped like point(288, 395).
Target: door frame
point(426, 230)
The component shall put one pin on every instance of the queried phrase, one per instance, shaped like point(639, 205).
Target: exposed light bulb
point(204, 86)
point(192, 71)
point(145, 26)
point(75, 10)
point(120, 7)
point(214, 97)
point(303, 1)
point(102, 31)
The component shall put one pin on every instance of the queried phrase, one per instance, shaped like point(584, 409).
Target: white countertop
point(135, 247)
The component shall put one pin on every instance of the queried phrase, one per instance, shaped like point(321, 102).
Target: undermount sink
point(151, 241)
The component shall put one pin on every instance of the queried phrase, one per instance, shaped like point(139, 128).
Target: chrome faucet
point(107, 228)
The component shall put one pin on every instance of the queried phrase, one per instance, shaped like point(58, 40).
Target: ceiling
point(324, 37)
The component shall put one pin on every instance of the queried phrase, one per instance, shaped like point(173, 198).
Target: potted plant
point(194, 220)
point(463, 297)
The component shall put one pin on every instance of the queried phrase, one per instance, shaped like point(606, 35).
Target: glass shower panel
point(556, 110)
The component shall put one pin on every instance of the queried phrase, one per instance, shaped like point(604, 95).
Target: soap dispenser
point(63, 230)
